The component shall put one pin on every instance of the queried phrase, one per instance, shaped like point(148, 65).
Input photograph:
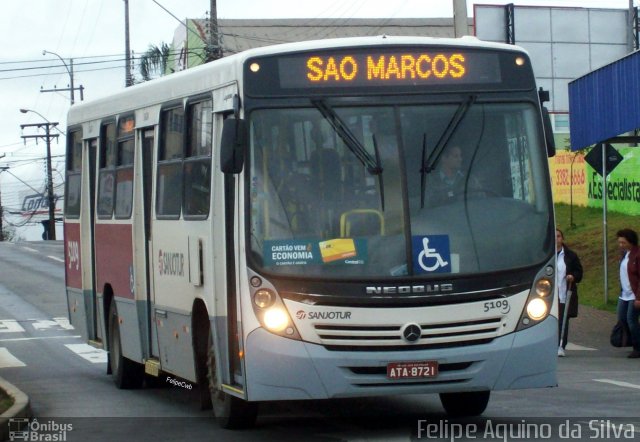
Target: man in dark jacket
point(568, 275)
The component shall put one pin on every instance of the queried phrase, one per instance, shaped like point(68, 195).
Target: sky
point(92, 32)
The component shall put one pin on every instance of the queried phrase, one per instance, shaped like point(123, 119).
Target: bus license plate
point(412, 370)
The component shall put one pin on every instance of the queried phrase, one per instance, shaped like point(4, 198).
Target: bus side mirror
point(233, 145)
point(548, 133)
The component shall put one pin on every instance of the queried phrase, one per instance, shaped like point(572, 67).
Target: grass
point(6, 401)
point(585, 237)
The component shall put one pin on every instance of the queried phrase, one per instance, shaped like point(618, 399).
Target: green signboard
point(623, 184)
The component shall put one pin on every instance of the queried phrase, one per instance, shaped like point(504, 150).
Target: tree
point(9, 233)
point(153, 63)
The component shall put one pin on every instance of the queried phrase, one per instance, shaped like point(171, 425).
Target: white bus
point(273, 225)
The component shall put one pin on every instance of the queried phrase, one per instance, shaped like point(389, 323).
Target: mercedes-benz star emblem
point(412, 332)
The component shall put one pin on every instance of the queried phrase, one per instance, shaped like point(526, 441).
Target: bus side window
point(171, 146)
point(197, 165)
point(106, 174)
point(74, 169)
point(124, 182)
point(124, 168)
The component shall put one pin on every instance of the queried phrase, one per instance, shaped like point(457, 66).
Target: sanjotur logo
point(334, 314)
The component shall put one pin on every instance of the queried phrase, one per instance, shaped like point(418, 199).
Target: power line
point(77, 71)
point(58, 65)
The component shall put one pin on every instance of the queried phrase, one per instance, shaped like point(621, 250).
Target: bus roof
point(466, 41)
point(204, 78)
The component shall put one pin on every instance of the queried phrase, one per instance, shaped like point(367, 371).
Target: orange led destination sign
point(378, 68)
point(386, 68)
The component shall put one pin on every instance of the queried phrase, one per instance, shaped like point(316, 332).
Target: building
point(189, 46)
point(564, 44)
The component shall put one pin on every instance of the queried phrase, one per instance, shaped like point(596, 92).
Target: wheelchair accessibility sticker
point(431, 254)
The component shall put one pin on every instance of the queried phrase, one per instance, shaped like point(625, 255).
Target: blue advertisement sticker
point(291, 252)
point(305, 252)
point(431, 254)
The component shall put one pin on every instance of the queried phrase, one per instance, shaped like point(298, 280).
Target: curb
point(21, 408)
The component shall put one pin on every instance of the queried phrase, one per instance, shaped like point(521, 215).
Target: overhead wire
point(77, 71)
point(94, 27)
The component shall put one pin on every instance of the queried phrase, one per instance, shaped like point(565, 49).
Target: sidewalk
point(20, 409)
point(592, 328)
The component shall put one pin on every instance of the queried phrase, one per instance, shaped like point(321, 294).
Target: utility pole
point(631, 36)
point(2, 169)
point(460, 20)
point(51, 234)
point(71, 87)
point(128, 80)
point(214, 52)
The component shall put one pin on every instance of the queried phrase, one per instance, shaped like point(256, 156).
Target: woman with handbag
point(568, 275)
point(629, 300)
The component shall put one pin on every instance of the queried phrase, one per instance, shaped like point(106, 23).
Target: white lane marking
point(56, 324)
point(91, 354)
point(9, 360)
point(55, 258)
point(618, 383)
point(30, 249)
point(64, 323)
point(10, 326)
point(13, 326)
point(571, 346)
point(36, 338)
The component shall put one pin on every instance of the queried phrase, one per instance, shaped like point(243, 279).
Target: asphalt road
point(71, 395)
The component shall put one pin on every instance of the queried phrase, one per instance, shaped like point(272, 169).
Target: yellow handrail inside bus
point(345, 223)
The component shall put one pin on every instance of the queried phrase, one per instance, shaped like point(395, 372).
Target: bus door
point(228, 335)
point(146, 138)
point(94, 332)
point(78, 236)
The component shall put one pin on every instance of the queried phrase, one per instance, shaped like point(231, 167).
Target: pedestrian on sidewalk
point(629, 300)
point(568, 275)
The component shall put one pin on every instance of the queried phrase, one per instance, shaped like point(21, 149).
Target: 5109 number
point(501, 304)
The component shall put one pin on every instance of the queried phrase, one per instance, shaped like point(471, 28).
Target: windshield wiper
point(373, 165)
point(429, 163)
point(380, 181)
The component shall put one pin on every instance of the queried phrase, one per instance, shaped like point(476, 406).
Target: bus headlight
point(270, 309)
point(543, 287)
point(540, 300)
point(276, 319)
point(537, 309)
point(264, 298)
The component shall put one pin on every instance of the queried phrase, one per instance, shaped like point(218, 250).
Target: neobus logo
point(409, 289)
point(171, 263)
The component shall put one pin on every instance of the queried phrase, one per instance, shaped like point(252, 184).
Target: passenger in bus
point(448, 183)
point(326, 178)
point(568, 275)
point(629, 300)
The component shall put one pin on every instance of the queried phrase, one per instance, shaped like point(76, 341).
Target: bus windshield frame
point(379, 230)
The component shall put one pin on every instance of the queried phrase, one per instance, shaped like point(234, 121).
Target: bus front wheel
point(472, 403)
point(126, 373)
point(230, 412)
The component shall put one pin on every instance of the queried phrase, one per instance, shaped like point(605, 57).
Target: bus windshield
point(398, 191)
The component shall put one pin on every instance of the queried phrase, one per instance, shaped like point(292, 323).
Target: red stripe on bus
point(72, 255)
point(114, 258)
